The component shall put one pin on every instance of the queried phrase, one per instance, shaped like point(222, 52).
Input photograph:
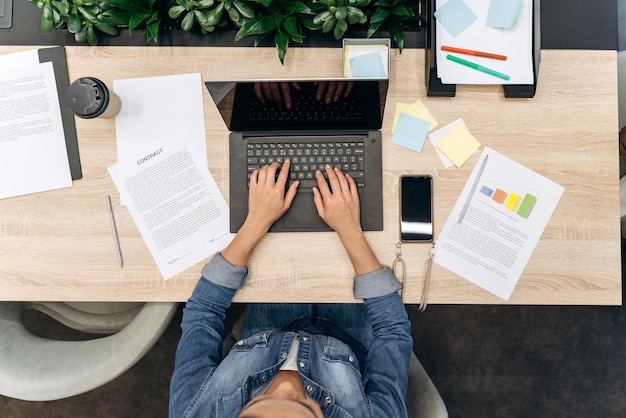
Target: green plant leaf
point(87, 14)
point(256, 26)
point(205, 4)
point(92, 39)
point(136, 19)
point(329, 24)
point(372, 29)
point(265, 3)
point(56, 17)
point(401, 10)
point(341, 13)
point(291, 27)
point(380, 15)
point(259, 38)
point(188, 21)
point(322, 17)
point(81, 35)
point(233, 14)
point(201, 17)
point(61, 7)
point(47, 11)
point(109, 30)
point(175, 11)
point(152, 31)
point(46, 24)
point(245, 10)
point(308, 23)
point(298, 7)
point(114, 17)
point(340, 29)
point(282, 43)
point(397, 36)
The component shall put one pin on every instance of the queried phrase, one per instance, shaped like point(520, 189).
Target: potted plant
point(281, 21)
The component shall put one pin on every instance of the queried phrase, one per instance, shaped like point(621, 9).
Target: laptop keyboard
point(306, 157)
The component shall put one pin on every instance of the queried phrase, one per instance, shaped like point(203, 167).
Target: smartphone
point(416, 208)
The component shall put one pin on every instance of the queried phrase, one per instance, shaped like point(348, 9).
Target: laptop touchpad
point(303, 214)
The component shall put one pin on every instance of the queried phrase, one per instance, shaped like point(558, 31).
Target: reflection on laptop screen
point(251, 105)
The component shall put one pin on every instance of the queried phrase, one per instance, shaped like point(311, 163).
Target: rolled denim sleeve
point(375, 284)
point(199, 349)
point(221, 272)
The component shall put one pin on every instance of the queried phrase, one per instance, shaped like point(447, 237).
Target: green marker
point(477, 67)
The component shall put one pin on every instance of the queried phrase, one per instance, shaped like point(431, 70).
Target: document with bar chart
point(496, 223)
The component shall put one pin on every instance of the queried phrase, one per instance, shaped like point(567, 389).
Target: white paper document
point(33, 154)
point(496, 223)
point(160, 108)
point(176, 204)
point(515, 43)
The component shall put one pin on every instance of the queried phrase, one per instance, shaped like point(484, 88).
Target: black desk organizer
point(434, 86)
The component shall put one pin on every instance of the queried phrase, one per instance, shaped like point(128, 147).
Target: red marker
point(474, 53)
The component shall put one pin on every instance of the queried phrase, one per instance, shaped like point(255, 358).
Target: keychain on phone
point(416, 225)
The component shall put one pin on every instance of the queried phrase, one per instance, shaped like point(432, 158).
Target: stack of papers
point(33, 152)
point(502, 27)
point(454, 143)
point(162, 172)
point(413, 122)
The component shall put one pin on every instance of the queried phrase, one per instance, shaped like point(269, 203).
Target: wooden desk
point(58, 246)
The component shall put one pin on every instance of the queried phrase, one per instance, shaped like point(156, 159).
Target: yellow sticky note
point(418, 110)
point(458, 145)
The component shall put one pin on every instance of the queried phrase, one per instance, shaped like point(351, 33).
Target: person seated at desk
point(295, 360)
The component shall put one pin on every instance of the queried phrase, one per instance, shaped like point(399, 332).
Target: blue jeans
point(347, 322)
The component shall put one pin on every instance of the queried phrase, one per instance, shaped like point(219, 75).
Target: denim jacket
point(204, 385)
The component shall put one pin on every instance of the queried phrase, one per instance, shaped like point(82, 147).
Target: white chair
point(422, 400)
point(39, 369)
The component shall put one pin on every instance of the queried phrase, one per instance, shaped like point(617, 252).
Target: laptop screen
point(296, 105)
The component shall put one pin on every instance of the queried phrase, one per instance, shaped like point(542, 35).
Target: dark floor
point(486, 361)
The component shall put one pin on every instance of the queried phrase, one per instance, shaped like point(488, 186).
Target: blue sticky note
point(410, 132)
point(368, 65)
point(455, 16)
point(503, 13)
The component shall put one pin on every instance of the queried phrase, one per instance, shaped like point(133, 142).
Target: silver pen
point(471, 193)
point(114, 229)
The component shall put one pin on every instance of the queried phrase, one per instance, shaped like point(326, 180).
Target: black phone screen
point(416, 212)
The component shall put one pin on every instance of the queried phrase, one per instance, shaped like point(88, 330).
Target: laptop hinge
point(339, 132)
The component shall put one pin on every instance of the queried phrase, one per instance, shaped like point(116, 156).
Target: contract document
point(176, 206)
point(496, 223)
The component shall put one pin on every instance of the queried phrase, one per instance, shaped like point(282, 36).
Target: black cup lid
point(88, 97)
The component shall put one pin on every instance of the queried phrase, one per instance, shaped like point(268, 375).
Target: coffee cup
point(90, 98)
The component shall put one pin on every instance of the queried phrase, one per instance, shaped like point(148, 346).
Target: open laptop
point(345, 133)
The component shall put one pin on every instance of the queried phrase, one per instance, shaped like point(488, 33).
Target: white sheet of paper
point(33, 154)
point(157, 108)
point(176, 204)
point(19, 59)
point(515, 43)
point(498, 233)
